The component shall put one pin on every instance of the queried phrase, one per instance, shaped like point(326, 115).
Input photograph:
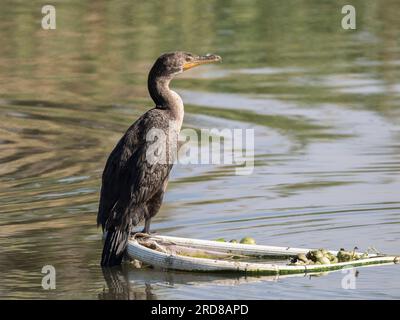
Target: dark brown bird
point(136, 173)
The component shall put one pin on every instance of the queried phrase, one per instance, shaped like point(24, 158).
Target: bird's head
point(174, 63)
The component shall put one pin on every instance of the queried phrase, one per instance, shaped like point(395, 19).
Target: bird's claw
point(148, 232)
point(135, 235)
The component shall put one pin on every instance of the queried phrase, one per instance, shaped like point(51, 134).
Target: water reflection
point(129, 283)
point(120, 288)
point(324, 104)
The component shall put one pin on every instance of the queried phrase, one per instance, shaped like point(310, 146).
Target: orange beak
point(209, 58)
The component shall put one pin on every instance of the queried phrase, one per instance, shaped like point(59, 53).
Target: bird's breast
point(177, 111)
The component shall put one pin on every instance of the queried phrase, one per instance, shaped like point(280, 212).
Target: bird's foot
point(148, 232)
point(139, 235)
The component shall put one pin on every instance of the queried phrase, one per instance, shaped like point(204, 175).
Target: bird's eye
point(188, 59)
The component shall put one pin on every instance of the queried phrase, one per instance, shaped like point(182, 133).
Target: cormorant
point(132, 186)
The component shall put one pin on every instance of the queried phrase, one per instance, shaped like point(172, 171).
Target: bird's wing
point(113, 172)
point(130, 179)
point(139, 184)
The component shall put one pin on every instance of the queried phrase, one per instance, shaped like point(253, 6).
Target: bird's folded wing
point(132, 186)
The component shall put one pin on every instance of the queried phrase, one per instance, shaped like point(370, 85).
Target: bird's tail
point(114, 247)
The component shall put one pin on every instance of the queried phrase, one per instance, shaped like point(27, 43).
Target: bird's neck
point(164, 97)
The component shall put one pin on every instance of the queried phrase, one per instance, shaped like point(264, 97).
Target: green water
point(323, 101)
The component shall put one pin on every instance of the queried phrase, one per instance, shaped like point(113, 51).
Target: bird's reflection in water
point(120, 288)
point(125, 282)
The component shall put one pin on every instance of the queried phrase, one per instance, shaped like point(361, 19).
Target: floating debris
point(197, 255)
point(323, 256)
point(248, 240)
